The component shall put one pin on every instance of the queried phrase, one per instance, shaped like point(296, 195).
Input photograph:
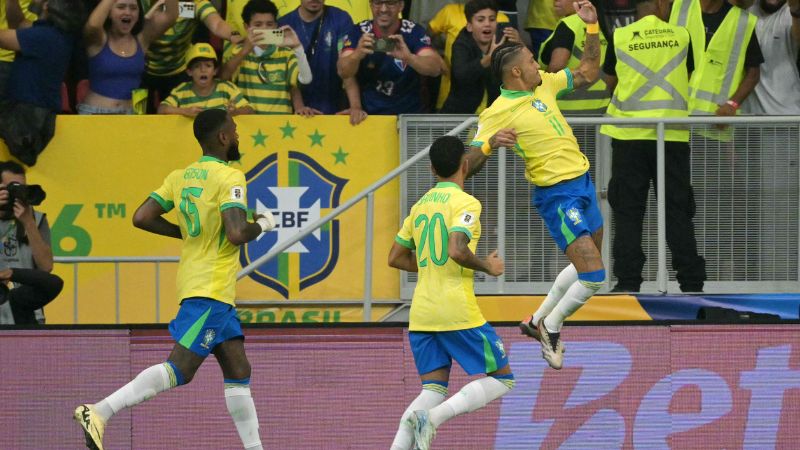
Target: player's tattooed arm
point(237, 229)
point(589, 69)
point(402, 258)
point(476, 160)
point(149, 217)
point(458, 250)
point(477, 156)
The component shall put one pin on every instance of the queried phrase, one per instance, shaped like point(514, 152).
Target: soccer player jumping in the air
point(526, 118)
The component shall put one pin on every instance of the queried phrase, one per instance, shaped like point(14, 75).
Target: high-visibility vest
point(652, 78)
point(689, 14)
point(586, 100)
point(719, 75)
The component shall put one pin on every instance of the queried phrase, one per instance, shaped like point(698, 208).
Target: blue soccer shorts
point(569, 209)
point(203, 323)
point(477, 350)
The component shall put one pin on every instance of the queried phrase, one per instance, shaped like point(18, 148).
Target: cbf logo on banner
point(311, 193)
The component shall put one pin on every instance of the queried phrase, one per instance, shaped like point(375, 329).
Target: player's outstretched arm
point(458, 251)
point(149, 217)
point(402, 258)
point(239, 231)
point(589, 69)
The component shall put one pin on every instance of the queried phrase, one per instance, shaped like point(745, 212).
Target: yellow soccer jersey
point(266, 80)
point(544, 140)
point(209, 261)
point(224, 93)
point(8, 55)
point(444, 299)
point(167, 54)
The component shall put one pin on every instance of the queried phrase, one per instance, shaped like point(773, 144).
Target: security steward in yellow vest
point(648, 71)
point(730, 67)
point(564, 48)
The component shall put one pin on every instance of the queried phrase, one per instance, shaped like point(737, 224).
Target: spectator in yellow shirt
point(204, 91)
point(541, 22)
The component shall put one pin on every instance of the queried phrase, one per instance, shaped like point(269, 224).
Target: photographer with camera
point(26, 284)
point(387, 56)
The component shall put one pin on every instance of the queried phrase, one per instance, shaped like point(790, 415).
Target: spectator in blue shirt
point(387, 56)
point(321, 30)
point(33, 91)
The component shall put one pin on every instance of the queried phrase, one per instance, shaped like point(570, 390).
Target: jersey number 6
point(189, 210)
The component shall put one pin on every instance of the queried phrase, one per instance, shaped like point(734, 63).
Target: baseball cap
point(201, 50)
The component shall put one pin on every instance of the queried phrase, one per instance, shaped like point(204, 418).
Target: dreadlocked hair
point(501, 56)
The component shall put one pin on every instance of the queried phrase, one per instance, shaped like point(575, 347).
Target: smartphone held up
point(268, 37)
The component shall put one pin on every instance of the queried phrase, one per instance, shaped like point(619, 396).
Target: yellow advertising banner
point(99, 169)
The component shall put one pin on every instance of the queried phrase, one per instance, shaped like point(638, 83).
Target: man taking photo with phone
point(384, 58)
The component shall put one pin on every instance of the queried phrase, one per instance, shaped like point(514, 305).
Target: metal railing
point(746, 190)
point(116, 260)
point(369, 194)
point(494, 177)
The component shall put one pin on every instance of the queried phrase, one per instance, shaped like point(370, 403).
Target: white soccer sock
point(564, 280)
point(243, 411)
point(476, 394)
point(576, 296)
point(426, 400)
point(145, 386)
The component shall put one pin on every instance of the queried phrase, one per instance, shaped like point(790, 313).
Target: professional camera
point(28, 194)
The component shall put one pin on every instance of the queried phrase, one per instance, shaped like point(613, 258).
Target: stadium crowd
point(140, 56)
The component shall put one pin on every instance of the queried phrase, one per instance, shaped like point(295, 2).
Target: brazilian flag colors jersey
point(209, 261)
point(167, 54)
point(544, 140)
point(266, 80)
point(444, 299)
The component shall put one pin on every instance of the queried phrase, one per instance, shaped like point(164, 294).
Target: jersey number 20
point(428, 236)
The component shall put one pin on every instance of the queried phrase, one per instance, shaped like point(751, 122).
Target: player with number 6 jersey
point(438, 239)
point(201, 192)
point(212, 224)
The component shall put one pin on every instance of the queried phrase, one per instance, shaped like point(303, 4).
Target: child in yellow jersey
point(526, 118)
point(211, 202)
point(267, 71)
point(204, 91)
point(438, 240)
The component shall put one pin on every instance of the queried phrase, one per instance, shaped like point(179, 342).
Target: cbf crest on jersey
point(307, 193)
